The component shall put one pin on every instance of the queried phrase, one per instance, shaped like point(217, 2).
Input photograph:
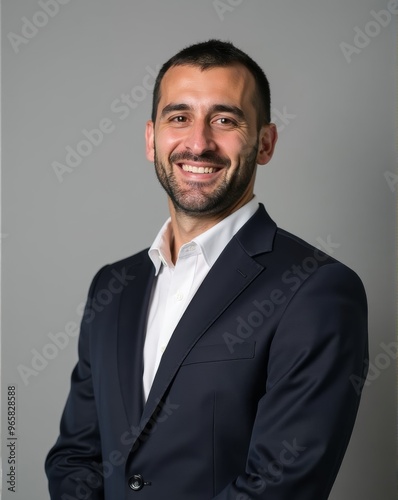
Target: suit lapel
point(131, 336)
point(231, 274)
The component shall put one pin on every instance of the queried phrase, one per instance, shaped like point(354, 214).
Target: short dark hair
point(217, 53)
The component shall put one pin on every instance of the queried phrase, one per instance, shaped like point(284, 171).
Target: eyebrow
point(223, 108)
point(170, 108)
point(226, 108)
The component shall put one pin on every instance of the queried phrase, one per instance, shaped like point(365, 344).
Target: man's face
point(205, 143)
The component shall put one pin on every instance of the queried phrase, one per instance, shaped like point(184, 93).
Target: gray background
point(331, 178)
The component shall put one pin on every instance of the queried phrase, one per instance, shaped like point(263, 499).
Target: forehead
point(230, 84)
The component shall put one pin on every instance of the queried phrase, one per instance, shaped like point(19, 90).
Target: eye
point(179, 119)
point(223, 120)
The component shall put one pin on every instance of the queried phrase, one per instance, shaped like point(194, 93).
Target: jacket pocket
point(219, 352)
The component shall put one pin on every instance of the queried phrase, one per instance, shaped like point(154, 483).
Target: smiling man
point(208, 140)
point(212, 375)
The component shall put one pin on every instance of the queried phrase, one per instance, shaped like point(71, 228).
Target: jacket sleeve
point(305, 419)
point(73, 464)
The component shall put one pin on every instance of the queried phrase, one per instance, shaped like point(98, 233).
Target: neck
point(186, 227)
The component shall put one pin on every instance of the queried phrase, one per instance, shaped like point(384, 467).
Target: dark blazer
point(256, 394)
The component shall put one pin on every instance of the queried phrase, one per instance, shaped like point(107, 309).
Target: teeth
point(198, 170)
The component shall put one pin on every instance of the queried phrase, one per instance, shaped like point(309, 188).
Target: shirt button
point(179, 295)
point(163, 348)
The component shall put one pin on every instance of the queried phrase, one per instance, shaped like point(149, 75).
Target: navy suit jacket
point(256, 394)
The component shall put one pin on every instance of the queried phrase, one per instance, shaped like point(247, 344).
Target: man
point(222, 366)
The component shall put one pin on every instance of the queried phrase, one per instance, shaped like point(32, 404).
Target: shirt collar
point(211, 243)
point(159, 253)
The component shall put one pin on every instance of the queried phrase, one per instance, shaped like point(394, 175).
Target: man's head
point(217, 53)
point(210, 129)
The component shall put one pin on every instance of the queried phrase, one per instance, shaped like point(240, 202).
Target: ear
point(267, 140)
point(150, 140)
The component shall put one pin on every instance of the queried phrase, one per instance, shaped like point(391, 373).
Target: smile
point(198, 170)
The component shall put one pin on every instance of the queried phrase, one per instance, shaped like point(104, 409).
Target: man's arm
point(305, 419)
point(69, 464)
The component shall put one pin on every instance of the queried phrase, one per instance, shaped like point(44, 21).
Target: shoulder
point(289, 259)
point(120, 271)
point(301, 259)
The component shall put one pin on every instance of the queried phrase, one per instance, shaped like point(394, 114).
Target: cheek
point(235, 148)
point(167, 143)
point(249, 147)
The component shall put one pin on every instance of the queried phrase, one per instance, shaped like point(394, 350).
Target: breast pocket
point(219, 352)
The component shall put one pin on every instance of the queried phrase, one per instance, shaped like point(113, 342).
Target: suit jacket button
point(136, 482)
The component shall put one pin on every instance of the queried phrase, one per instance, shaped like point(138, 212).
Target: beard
point(194, 198)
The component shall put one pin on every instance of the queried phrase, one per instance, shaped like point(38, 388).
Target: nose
point(199, 138)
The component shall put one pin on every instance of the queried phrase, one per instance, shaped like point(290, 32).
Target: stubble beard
point(196, 200)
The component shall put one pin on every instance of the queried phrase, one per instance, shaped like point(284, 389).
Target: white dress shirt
point(175, 285)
